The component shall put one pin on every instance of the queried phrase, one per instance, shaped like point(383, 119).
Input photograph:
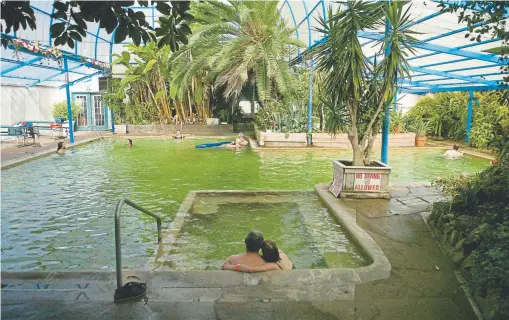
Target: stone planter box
point(276, 139)
point(326, 140)
point(360, 182)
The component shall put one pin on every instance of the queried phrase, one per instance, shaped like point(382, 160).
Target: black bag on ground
point(130, 291)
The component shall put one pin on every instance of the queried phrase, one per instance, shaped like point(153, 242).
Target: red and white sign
point(365, 181)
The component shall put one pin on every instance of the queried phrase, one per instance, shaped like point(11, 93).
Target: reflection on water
point(57, 212)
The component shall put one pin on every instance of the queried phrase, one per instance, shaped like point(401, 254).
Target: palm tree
point(238, 43)
point(359, 87)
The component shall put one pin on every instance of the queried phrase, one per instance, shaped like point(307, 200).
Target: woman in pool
point(178, 135)
point(129, 143)
point(61, 148)
point(275, 259)
point(242, 139)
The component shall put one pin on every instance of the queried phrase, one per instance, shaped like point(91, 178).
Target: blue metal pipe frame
point(68, 95)
point(471, 98)
point(386, 123)
point(310, 104)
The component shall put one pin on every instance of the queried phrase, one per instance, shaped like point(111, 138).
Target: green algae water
point(57, 211)
point(299, 223)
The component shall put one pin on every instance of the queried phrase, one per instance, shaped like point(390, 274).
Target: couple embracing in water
point(272, 258)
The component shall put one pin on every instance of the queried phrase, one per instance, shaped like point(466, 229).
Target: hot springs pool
point(57, 212)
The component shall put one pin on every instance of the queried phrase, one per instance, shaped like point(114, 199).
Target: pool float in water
point(212, 144)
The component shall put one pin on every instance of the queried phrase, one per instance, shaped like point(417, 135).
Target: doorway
point(94, 115)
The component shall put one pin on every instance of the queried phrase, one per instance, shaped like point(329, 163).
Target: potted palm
point(421, 129)
point(362, 88)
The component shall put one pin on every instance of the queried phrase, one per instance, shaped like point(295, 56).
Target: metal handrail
point(118, 245)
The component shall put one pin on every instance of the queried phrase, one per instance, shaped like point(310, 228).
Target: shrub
point(280, 116)
point(445, 113)
point(60, 109)
point(478, 213)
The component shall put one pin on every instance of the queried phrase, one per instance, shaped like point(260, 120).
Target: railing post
point(118, 244)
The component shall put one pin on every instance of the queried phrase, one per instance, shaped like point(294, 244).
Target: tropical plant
point(420, 128)
point(475, 223)
point(397, 123)
point(110, 15)
point(445, 113)
point(358, 85)
point(145, 83)
point(238, 43)
point(491, 121)
point(60, 109)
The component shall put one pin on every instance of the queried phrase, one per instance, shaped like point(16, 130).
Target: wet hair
point(60, 145)
point(130, 141)
point(455, 147)
point(270, 252)
point(253, 241)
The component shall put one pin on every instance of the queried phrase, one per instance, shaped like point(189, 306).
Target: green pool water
point(57, 211)
point(299, 224)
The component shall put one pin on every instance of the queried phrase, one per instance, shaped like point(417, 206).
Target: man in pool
point(454, 153)
point(251, 258)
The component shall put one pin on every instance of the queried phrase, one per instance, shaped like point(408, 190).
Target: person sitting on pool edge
point(275, 259)
point(129, 143)
point(61, 148)
point(251, 258)
point(454, 153)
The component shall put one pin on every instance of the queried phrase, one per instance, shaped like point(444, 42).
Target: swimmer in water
point(129, 143)
point(454, 153)
point(178, 135)
point(61, 148)
point(242, 139)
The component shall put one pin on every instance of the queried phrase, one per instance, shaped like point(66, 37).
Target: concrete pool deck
point(11, 155)
point(421, 285)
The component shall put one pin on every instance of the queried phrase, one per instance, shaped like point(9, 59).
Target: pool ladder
point(118, 245)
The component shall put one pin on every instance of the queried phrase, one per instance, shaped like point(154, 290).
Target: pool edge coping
point(380, 267)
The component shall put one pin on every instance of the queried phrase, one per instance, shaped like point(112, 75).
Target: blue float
point(212, 144)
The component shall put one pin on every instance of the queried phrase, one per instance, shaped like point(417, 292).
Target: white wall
point(36, 103)
point(406, 101)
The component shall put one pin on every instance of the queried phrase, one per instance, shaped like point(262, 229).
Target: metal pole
point(471, 98)
point(69, 109)
point(385, 128)
point(310, 104)
point(112, 122)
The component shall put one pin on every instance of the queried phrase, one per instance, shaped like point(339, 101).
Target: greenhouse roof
point(445, 60)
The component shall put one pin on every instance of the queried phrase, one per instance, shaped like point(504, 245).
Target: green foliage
point(110, 15)
point(479, 214)
point(420, 128)
point(238, 43)
point(396, 121)
point(491, 121)
point(279, 116)
point(144, 85)
point(445, 113)
point(60, 109)
point(359, 88)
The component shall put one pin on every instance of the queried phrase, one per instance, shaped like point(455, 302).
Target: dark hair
point(455, 147)
point(60, 145)
point(130, 141)
point(270, 252)
point(253, 241)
